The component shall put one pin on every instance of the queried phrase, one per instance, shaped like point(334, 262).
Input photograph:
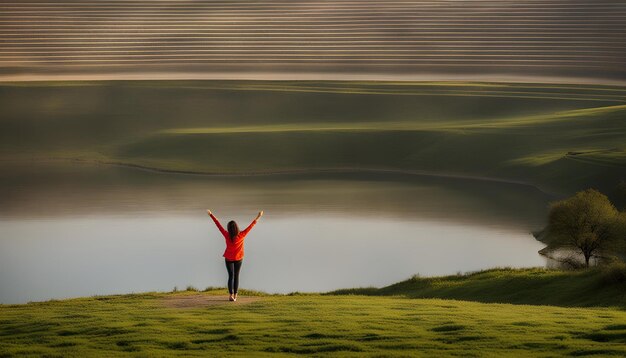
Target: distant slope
point(559, 151)
point(561, 138)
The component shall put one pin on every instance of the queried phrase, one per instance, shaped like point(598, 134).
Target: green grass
point(587, 288)
point(342, 325)
point(561, 138)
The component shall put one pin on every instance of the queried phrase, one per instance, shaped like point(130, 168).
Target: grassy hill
point(597, 287)
point(560, 152)
point(561, 138)
point(344, 325)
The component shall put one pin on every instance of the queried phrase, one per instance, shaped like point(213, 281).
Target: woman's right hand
point(209, 212)
point(259, 215)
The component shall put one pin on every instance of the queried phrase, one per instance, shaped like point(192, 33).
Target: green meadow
point(560, 138)
point(563, 314)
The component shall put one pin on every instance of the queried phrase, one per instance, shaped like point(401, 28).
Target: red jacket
point(234, 248)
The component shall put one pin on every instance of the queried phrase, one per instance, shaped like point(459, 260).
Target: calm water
point(71, 230)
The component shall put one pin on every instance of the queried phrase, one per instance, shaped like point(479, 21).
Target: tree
point(621, 195)
point(586, 222)
point(620, 233)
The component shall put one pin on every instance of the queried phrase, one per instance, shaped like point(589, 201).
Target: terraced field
point(313, 39)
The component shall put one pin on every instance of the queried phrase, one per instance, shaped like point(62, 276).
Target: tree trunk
point(587, 257)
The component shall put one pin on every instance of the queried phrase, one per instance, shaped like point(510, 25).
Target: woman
point(234, 251)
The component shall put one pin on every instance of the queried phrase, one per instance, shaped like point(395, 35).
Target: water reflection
point(62, 189)
point(73, 230)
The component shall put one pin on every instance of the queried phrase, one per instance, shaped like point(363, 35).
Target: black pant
point(233, 268)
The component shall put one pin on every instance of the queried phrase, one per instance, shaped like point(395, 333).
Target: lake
point(76, 229)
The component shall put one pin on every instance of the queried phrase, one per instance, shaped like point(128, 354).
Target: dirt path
point(200, 300)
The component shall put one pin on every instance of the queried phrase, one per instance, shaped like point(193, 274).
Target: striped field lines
point(572, 38)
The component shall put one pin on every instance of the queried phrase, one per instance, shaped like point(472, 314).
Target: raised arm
point(245, 232)
point(217, 223)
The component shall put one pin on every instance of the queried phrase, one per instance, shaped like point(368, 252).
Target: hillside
point(198, 323)
point(591, 288)
point(560, 138)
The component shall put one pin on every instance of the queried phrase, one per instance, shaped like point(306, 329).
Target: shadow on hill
point(590, 288)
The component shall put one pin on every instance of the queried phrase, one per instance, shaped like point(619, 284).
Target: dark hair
point(233, 229)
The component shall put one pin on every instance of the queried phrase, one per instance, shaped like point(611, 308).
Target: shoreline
point(298, 171)
point(449, 290)
point(301, 171)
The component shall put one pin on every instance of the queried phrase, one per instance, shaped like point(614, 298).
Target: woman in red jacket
point(234, 251)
